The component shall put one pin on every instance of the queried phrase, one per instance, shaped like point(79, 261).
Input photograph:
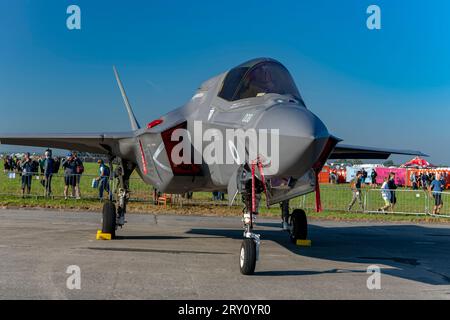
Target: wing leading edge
point(103, 143)
point(343, 151)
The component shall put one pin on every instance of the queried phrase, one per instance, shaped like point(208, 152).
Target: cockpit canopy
point(256, 78)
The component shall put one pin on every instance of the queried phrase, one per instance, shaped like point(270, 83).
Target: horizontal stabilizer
point(102, 143)
point(343, 151)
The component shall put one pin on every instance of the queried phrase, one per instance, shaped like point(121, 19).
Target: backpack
point(80, 167)
point(34, 166)
point(56, 165)
point(106, 171)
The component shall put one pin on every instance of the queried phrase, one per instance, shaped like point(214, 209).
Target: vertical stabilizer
point(133, 121)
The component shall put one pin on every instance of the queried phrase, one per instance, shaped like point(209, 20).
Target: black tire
point(247, 257)
point(299, 225)
point(109, 218)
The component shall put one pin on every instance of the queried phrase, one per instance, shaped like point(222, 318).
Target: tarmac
point(195, 257)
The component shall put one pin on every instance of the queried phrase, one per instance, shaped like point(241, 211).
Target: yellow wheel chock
point(103, 236)
point(303, 243)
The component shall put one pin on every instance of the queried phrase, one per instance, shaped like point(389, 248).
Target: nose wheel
point(247, 257)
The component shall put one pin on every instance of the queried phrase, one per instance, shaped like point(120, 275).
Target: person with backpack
point(79, 169)
point(373, 176)
point(392, 186)
point(355, 185)
point(103, 178)
point(35, 166)
point(386, 195)
point(363, 175)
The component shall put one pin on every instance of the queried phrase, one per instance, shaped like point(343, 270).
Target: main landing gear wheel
point(299, 225)
point(109, 218)
point(247, 258)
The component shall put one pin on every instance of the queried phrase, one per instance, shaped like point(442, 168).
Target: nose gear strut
point(251, 188)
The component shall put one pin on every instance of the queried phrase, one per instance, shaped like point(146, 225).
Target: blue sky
point(389, 87)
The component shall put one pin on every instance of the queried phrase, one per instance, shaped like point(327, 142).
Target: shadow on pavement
point(411, 252)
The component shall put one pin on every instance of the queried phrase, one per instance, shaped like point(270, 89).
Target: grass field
point(335, 200)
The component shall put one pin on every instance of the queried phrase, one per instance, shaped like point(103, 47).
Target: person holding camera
point(26, 168)
point(79, 169)
point(69, 166)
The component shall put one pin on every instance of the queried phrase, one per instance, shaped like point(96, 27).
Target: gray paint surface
point(303, 137)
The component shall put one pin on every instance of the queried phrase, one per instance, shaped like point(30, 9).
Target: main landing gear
point(298, 226)
point(109, 222)
point(113, 214)
point(295, 223)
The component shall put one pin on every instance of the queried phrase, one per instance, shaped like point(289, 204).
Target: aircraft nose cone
point(302, 137)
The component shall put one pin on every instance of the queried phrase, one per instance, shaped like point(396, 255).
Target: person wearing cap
point(103, 178)
point(69, 166)
point(26, 168)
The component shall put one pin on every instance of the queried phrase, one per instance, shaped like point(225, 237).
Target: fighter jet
point(246, 132)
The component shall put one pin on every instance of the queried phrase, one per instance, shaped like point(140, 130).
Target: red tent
point(417, 162)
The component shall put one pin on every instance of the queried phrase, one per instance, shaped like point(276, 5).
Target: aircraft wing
point(343, 151)
point(94, 143)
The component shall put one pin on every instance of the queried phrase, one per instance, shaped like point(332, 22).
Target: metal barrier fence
point(407, 201)
point(338, 198)
point(334, 197)
point(11, 185)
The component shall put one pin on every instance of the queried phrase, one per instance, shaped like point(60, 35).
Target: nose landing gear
point(251, 188)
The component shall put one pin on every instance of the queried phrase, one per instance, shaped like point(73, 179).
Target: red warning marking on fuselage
point(144, 161)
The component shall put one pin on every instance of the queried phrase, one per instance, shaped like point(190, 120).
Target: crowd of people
point(336, 176)
point(29, 166)
point(433, 183)
point(46, 167)
point(424, 179)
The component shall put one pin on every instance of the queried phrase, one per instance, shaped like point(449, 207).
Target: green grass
point(139, 189)
point(335, 199)
point(208, 210)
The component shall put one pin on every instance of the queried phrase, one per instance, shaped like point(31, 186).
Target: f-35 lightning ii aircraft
point(175, 152)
